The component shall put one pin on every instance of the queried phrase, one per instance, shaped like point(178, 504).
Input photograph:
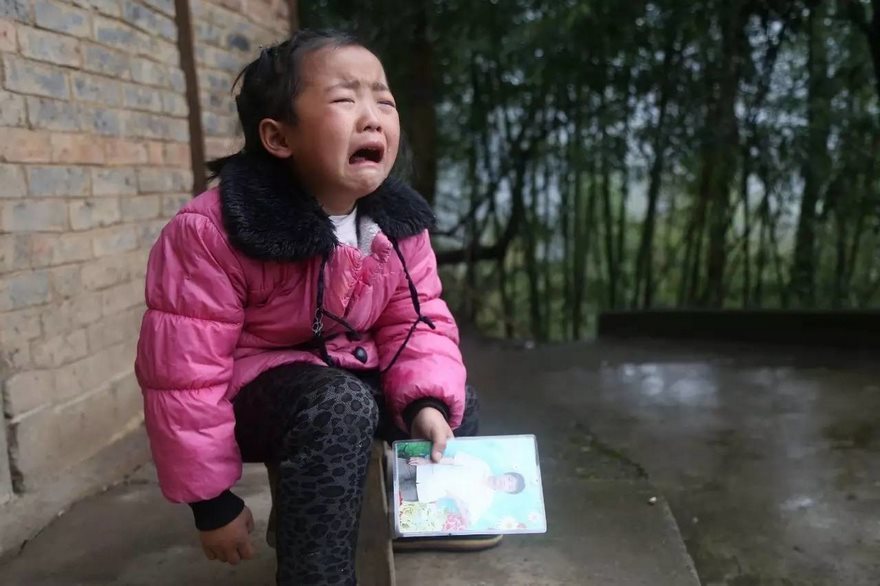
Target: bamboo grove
point(590, 155)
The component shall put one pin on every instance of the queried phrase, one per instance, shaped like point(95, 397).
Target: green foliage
point(596, 154)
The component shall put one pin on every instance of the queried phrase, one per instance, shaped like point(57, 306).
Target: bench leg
point(375, 557)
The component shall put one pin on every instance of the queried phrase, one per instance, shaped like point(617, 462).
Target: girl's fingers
point(246, 550)
point(439, 441)
point(233, 558)
point(209, 554)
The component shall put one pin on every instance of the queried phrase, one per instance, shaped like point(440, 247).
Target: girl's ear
point(274, 138)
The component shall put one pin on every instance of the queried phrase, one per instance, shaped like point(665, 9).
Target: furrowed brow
point(348, 84)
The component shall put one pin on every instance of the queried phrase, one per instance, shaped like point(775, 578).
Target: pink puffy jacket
point(231, 291)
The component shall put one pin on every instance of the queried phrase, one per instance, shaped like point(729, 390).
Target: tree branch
point(518, 157)
point(517, 215)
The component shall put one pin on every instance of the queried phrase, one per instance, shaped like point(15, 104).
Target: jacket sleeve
point(429, 369)
point(194, 294)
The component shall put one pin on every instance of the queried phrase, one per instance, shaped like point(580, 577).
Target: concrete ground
point(769, 460)
point(769, 457)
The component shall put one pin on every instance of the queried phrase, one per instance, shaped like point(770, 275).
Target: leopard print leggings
point(318, 423)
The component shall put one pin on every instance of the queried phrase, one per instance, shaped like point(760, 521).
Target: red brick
point(261, 12)
point(125, 152)
point(216, 147)
point(76, 148)
point(20, 145)
point(55, 249)
point(177, 155)
point(7, 36)
point(154, 149)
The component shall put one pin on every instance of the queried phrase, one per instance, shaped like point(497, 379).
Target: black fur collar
point(269, 217)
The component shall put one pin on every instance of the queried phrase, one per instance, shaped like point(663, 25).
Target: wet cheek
point(328, 145)
point(332, 128)
point(391, 124)
point(392, 131)
point(393, 147)
point(393, 139)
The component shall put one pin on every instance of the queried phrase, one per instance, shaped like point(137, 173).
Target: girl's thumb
point(439, 448)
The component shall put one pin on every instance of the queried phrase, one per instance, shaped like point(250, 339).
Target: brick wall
point(228, 34)
point(94, 158)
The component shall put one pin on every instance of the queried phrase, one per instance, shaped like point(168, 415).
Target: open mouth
point(367, 154)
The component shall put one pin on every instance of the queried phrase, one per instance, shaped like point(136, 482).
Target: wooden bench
point(375, 556)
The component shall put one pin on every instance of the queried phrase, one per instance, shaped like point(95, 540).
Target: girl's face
point(347, 133)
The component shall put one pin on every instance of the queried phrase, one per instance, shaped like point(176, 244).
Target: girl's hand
point(430, 424)
point(230, 543)
point(418, 461)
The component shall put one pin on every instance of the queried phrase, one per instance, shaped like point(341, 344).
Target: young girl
point(295, 310)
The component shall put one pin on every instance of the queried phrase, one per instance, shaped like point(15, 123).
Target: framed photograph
point(483, 485)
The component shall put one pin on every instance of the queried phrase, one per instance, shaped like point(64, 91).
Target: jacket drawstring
point(352, 333)
point(321, 313)
point(414, 297)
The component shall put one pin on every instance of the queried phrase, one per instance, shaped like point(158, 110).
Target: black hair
point(270, 84)
point(520, 482)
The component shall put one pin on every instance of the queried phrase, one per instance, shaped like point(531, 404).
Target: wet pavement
point(769, 457)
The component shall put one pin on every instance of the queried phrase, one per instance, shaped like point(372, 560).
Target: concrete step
point(603, 528)
point(601, 532)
